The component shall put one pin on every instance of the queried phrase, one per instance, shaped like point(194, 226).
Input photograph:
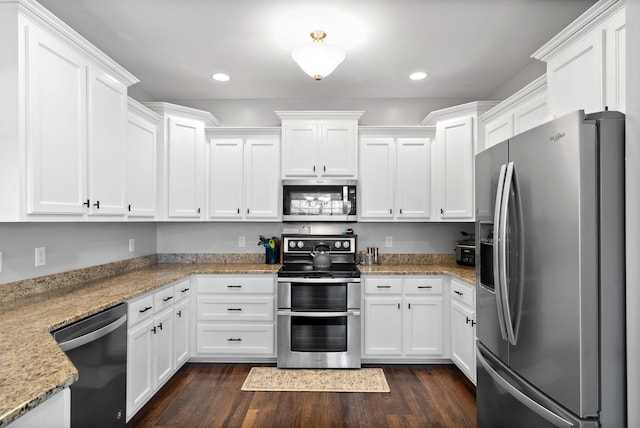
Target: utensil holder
point(272, 256)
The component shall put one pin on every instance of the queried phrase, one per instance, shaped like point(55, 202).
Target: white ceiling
point(468, 47)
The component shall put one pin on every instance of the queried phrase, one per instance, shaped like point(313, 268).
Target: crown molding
point(164, 108)
point(584, 23)
point(37, 13)
point(327, 115)
point(475, 107)
point(143, 111)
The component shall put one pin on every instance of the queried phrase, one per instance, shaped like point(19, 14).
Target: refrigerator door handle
point(538, 409)
point(497, 266)
point(509, 187)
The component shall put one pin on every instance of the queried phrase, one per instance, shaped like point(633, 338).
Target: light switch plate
point(41, 256)
point(388, 241)
point(132, 245)
point(0, 261)
point(242, 241)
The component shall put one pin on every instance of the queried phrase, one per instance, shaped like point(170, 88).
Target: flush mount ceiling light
point(318, 59)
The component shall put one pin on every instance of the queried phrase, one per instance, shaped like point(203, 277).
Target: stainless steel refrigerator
point(550, 278)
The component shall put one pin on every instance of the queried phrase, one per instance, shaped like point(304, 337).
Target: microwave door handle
point(502, 248)
point(496, 252)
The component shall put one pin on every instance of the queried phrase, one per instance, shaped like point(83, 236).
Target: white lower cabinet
point(463, 328)
point(404, 317)
point(235, 317)
point(53, 413)
point(158, 341)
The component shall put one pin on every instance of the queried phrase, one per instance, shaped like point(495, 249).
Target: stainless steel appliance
point(550, 284)
point(97, 347)
point(319, 200)
point(318, 323)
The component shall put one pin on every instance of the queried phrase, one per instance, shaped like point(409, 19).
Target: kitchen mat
point(317, 380)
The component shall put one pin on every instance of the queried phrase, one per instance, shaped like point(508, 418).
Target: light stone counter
point(33, 367)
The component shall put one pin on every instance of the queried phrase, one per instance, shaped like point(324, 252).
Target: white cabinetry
point(235, 318)
point(142, 143)
point(395, 175)
point(53, 413)
point(523, 110)
point(181, 162)
point(404, 317)
point(158, 341)
point(463, 330)
point(586, 61)
point(319, 144)
point(456, 141)
point(244, 174)
point(63, 106)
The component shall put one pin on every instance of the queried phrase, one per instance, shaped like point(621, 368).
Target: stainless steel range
point(319, 297)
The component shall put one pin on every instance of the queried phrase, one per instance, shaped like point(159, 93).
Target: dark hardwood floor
point(208, 395)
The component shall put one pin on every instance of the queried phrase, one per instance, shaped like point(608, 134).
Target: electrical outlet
point(132, 245)
point(41, 256)
point(0, 261)
point(242, 241)
point(388, 241)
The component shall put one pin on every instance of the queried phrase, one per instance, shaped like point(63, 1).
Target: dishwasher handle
point(92, 336)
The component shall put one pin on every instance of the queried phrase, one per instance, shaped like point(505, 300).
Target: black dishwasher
point(97, 347)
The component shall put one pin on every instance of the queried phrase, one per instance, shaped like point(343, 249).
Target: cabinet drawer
point(236, 285)
point(163, 298)
point(423, 286)
point(236, 308)
point(228, 339)
point(463, 293)
point(140, 309)
point(383, 285)
point(182, 290)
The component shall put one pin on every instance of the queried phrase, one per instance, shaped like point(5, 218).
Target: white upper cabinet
point(181, 161)
point(586, 61)
point(142, 142)
point(319, 144)
point(244, 174)
point(523, 110)
point(456, 140)
point(64, 108)
point(107, 144)
point(395, 174)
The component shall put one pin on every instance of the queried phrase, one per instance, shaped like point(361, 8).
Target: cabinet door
point(139, 365)
point(107, 138)
point(383, 325)
point(337, 150)
point(615, 66)
point(423, 332)
point(498, 129)
point(226, 178)
point(185, 168)
point(142, 142)
point(455, 166)
point(163, 346)
point(57, 143)
point(262, 178)
point(413, 174)
point(463, 351)
point(299, 150)
point(531, 113)
point(377, 178)
point(575, 76)
point(182, 315)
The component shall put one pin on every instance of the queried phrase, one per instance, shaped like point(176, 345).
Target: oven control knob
point(300, 244)
point(338, 244)
point(345, 244)
point(292, 244)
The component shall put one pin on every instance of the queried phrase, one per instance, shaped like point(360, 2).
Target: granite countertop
point(34, 368)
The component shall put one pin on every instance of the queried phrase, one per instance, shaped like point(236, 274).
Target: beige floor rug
point(328, 380)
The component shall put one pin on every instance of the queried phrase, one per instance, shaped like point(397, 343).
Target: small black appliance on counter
point(466, 250)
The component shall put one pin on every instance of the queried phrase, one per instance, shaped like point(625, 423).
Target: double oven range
point(318, 323)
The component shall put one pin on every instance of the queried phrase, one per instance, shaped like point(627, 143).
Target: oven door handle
point(287, 313)
point(302, 280)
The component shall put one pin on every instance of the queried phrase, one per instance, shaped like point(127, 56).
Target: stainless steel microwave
point(319, 200)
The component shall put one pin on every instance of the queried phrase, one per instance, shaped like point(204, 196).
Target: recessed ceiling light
point(418, 75)
point(220, 77)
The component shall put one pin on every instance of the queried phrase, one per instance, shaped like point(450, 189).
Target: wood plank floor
point(208, 395)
